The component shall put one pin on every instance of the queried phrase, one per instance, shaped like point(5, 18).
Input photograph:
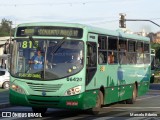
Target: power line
point(155, 19)
point(107, 21)
point(52, 4)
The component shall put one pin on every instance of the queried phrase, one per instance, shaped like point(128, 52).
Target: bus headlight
point(73, 91)
point(17, 88)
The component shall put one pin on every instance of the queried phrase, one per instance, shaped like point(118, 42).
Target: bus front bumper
point(74, 101)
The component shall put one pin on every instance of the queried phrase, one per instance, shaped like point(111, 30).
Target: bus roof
point(91, 29)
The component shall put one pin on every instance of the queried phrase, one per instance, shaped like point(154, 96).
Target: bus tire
point(97, 107)
point(39, 110)
point(6, 85)
point(134, 96)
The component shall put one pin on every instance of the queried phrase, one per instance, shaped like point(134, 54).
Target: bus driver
point(38, 61)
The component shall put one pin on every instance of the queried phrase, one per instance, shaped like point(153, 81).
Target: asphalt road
point(4, 96)
point(146, 107)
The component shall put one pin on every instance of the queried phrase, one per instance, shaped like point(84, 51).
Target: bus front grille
point(44, 87)
point(43, 102)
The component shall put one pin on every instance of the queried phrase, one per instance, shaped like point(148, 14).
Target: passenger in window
point(140, 55)
point(122, 48)
point(100, 58)
point(110, 58)
point(122, 54)
point(93, 56)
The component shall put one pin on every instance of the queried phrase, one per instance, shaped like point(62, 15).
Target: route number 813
point(28, 44)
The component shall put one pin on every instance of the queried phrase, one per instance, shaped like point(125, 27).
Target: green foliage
point(156, 46)
point(5, 27)
point(156, 77)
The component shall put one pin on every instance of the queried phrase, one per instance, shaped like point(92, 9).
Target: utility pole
point(10, 37)
point(10, 34)
point(122, 21)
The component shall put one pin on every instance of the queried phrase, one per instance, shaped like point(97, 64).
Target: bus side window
point(110, 58)
point(123, 52)
point(102, 49)
point(102, 57)
point(146, 53)
point(131, 52)
point(140, 53)
point(92, 55)
point(91, 61)
point(112, 50)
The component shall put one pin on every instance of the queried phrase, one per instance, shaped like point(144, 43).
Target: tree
point(152, 36)
point(156, 46)
point(5, 27)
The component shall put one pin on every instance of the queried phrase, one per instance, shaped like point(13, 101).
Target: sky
point(99, 13)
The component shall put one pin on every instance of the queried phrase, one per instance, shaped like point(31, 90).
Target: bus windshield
point(46, 59)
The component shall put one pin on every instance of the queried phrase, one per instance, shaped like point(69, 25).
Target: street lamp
point(122, 20)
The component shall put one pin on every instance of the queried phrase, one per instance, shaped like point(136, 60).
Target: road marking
point(5, 103)
point(148, 97)
point(132, 107)
point(140, 118)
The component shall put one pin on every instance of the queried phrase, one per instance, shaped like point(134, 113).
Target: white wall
point(1, 50)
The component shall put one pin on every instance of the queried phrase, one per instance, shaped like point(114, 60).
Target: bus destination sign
point(49, 31)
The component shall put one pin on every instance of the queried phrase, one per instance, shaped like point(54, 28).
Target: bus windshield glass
point(46, 59)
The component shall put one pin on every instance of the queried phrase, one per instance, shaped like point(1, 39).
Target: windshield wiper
point(33, 41)
point(59, 45)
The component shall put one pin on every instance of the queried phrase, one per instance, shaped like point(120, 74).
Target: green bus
point(83, 67)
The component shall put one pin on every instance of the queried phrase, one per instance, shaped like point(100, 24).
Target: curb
point(152, 90)
point(5, 105)
point(154, 86)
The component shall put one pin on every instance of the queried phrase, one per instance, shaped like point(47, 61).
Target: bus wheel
point(96, 109)
point(134, 96)
point(39, 110)
point(6, 85)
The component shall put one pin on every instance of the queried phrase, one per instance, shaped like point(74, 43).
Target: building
point(4, 44)
point(157, 38)
point(4, 52)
